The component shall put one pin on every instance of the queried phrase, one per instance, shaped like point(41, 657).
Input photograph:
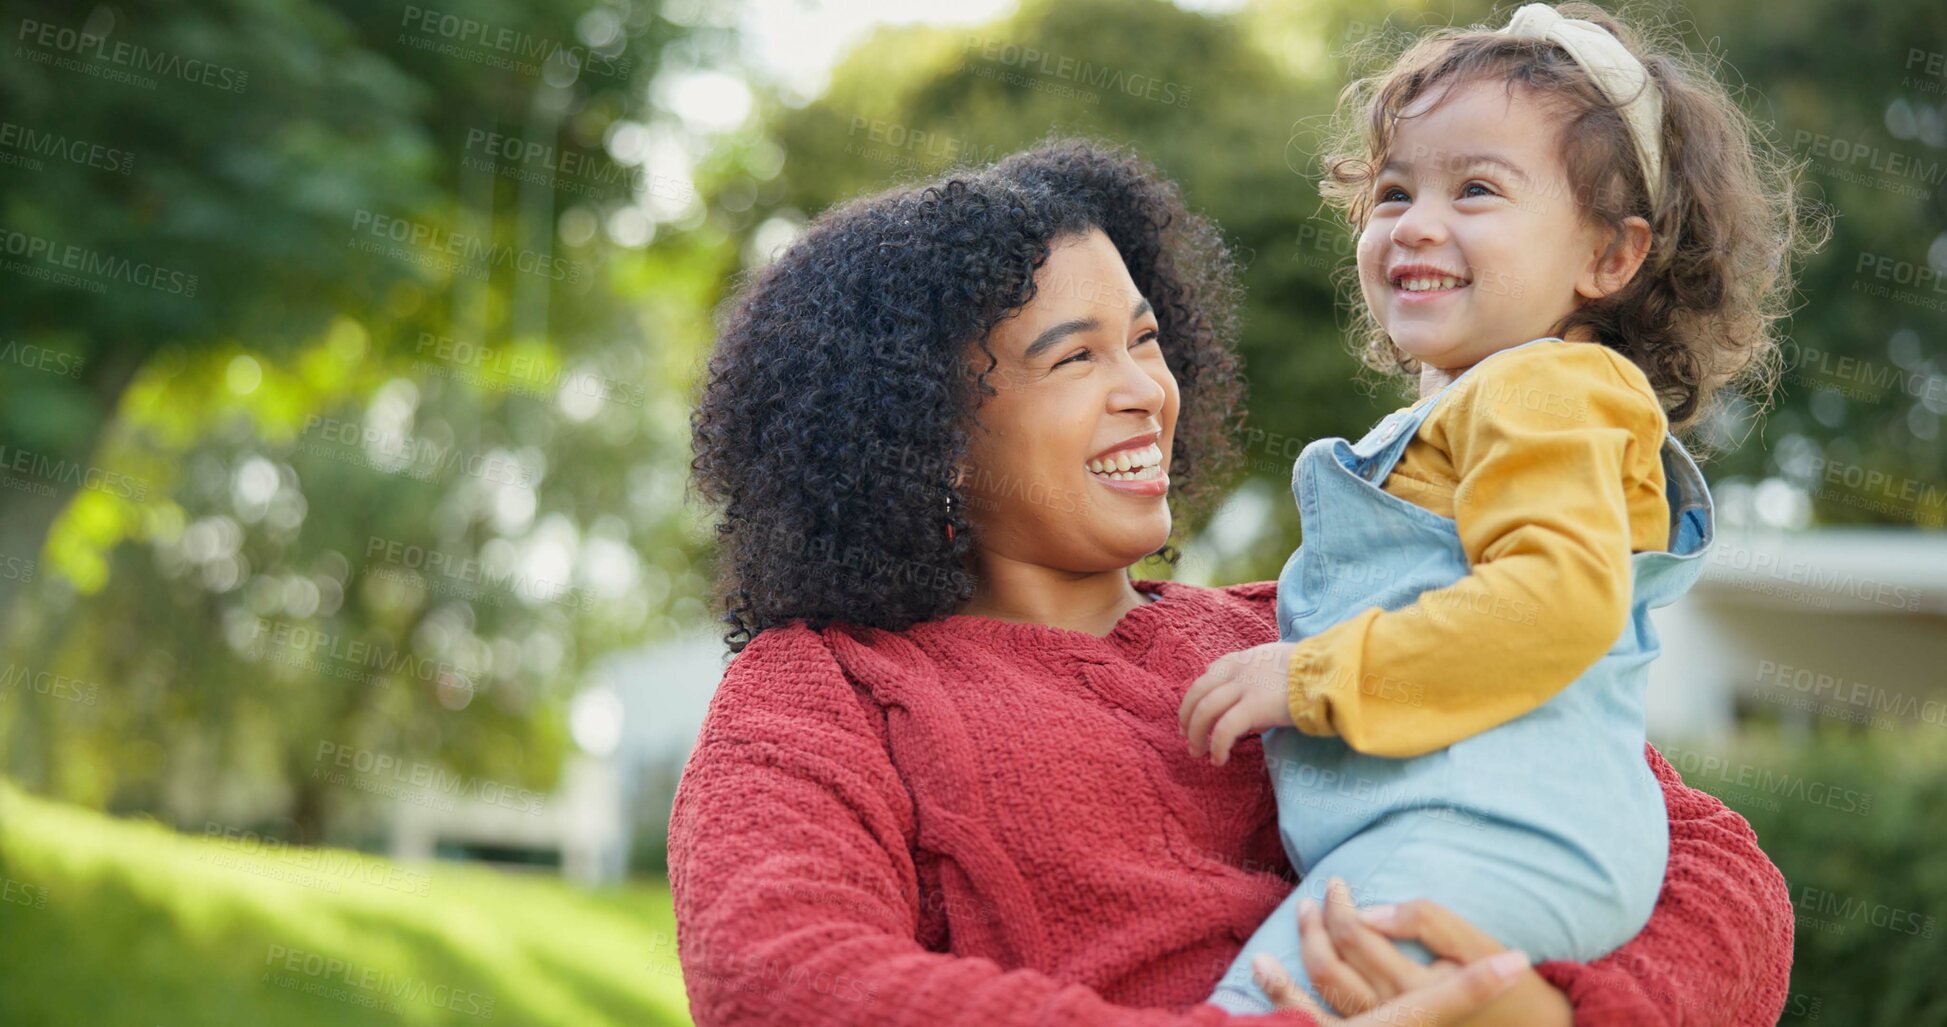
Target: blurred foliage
point(1854, 819)
point(405, 460)
point(110, 921)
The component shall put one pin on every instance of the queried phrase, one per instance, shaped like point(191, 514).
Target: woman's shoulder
point(786, 674)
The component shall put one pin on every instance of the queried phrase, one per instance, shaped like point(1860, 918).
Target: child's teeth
point(1426, 284)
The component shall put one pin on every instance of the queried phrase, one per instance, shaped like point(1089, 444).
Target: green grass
point(107, 921)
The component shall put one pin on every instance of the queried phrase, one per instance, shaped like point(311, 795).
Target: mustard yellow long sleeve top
point(1548, 459)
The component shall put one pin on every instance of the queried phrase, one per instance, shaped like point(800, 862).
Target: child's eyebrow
point(1459, 161)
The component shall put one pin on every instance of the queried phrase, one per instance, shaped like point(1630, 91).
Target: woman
point(942, 780)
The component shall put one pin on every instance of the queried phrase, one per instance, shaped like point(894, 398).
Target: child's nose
point(1421, 225)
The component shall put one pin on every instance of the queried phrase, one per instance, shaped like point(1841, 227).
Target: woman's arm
point(791, 864)
point(1717, 949)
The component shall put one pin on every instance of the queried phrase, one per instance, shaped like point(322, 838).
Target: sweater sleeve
point(1543, 440)
point(1717, 949)
point(792, 868)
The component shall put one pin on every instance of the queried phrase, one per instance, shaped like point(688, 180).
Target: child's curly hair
point(1702, 312)
point(839, 400)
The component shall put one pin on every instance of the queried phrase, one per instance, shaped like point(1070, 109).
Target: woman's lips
point(1156, 486)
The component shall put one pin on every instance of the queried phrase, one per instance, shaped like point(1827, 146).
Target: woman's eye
point(1081, 355)
point(1148, 336)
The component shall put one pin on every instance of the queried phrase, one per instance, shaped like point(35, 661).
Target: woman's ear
point(1617, 263)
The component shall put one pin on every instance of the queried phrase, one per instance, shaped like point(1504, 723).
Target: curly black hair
point(838, 402)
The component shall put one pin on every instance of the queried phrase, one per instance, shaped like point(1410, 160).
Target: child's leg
point(1509, 884)
point(1277, 936)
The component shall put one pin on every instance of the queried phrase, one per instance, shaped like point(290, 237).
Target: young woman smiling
point(942, 780)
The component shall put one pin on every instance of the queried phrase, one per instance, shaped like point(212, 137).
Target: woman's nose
point(1139, 388)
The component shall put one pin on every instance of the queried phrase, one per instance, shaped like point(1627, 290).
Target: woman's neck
point(1013, 590)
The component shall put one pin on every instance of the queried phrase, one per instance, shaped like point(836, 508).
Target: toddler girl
point(1574, 243)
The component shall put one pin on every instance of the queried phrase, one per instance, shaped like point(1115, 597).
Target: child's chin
point(1426, 349)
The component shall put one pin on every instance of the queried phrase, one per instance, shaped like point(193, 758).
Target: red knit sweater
point(986, 823)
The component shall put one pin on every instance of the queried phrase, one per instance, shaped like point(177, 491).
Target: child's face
point(1475, 242)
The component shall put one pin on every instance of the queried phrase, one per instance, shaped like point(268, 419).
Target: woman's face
point(1081, 386)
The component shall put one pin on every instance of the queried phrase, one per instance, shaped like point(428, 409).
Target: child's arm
point(1543, 440)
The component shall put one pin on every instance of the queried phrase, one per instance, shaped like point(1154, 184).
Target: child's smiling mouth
point(1421, 282)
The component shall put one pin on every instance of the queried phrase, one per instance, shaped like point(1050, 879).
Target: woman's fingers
point(1340, 985)
point(1278, 986)
point(1385, 968)
point(1435, 926)
point(1448, 1000)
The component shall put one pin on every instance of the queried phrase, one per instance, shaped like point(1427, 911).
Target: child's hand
point(1241, 693)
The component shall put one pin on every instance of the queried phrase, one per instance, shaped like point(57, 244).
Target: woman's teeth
point(1130, 464)
point(1428, 284)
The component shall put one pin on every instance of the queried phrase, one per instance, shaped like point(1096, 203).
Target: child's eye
point(1393, 194)
point(1476, 189)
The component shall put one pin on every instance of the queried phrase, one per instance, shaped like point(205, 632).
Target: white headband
point(1621, 77)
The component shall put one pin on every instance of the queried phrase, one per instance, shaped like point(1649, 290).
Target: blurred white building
point(1839, 624)
point(632, 728)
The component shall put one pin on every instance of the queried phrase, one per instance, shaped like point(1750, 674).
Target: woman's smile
point(1134, 466)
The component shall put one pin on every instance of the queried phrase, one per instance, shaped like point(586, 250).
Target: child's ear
point(1612, 267)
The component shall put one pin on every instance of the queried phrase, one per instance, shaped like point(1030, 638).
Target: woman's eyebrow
point(1055, 333)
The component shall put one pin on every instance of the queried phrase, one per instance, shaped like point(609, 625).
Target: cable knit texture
point(987, 823)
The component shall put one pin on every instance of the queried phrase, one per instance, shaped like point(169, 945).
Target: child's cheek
point(1372, 273)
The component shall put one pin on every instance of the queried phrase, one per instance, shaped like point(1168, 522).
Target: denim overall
point(1548, 832)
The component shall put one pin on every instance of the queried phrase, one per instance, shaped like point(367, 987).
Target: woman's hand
point(1352, 962)
point(1240, 693)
